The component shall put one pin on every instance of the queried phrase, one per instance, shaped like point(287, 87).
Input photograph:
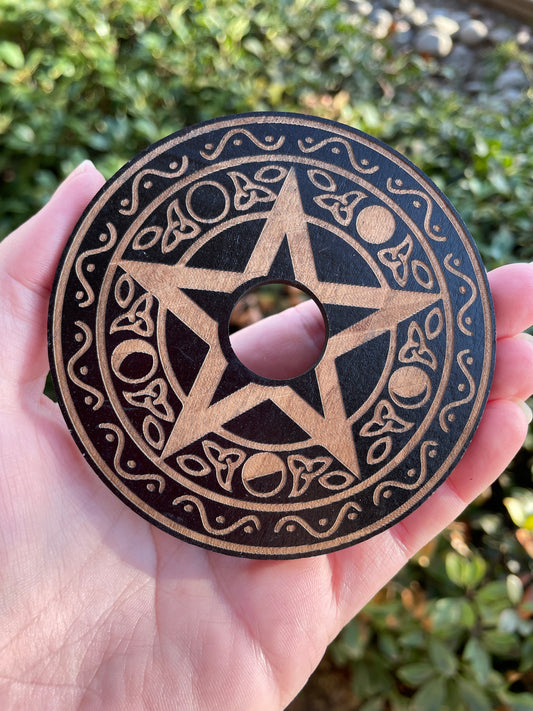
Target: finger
point(513, 371)
point(512, 292)
point(284, 345)
point(288, 343)
point(359, 572)
point(28, 260)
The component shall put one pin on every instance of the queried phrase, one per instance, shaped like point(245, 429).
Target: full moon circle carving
point(179, 428)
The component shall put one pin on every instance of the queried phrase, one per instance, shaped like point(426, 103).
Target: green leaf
point(444, 660)
point(354, 639)
point(526, 656)
point(454, 568)
point(499, 182)
point(370, 679)
point(398, 702)
point(451, 613)
point(503, 644)
point(416, 673)
point(465, 572)
point(479, 659)
point(415, 639)
point(373, 705)
point(466, 616)
point(454, 699)
point(476, 571)
point(509, 621)
point(515, 588)
point(12, 54)
point(518, 702)
point(493, 593)
point(388, 646)
point(430, 696)
point(519, 506)
point(473, 695)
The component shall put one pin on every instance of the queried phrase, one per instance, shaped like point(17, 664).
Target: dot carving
point(147, 373)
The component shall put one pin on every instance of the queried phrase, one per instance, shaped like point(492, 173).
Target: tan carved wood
point(190, 438)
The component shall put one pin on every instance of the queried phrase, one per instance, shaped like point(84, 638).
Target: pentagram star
point(200, 415)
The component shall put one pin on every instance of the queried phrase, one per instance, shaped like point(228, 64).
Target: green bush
point(454, 630)
point(102, 79)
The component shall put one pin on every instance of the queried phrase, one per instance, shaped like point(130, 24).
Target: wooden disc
point(188, 436)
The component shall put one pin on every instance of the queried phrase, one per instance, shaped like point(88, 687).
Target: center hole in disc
point(278, 330)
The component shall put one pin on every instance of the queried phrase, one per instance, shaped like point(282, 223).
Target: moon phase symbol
point(208, 186)
point(265, 470)
point(410, 387)
point(142, 360)
point(375, 224)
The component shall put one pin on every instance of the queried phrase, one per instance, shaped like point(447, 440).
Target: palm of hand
point(100, 609)
point(139, 615)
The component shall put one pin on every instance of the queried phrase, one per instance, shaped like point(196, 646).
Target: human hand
point(99, 609)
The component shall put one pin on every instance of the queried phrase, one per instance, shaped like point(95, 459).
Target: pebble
point(473, 32)
point(475, 87)
point(403, 34)
point(433, 42)
point(445, 25)
point(511, 78)
point(364, 8)
point(382, 20)
point(499, 35)
point(417, 17)
point(510, 96)
point(524, 35)
point(460, 16)
point(456, 37)
point(461, 59)
point(402, 6)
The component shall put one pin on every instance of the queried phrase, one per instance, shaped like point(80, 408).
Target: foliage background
point(102, 79)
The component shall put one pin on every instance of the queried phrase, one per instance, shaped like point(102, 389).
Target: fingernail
point(525, 409)
point(82, 167)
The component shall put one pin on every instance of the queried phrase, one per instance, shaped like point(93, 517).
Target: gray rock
point(417, 17)
point(461, 60)
point(459, 16)
point(473, 32)
point(363, 8)
point(511, 78)
point(492, 102)
point(436, 10)
point(382, 20)
point(475, 87)
point(501, 34)
point(433, 42)
point(402, 6)
point(444, 24)
point(510, 96)
point(403, 34)
point(523, 36)
point(406, 6)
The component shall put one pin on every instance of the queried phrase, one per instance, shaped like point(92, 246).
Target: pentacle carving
point(179, 428)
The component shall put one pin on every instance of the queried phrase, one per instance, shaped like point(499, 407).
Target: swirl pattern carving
point(131, 205)
point(432, 231)
point(145, 367)
point(109, 241)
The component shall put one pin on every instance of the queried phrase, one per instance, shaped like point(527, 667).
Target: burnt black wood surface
point(188, 436)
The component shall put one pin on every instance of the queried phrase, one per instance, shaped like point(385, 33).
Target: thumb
point(28, 260)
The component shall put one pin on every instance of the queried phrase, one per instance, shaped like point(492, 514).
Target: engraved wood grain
point(187, 435)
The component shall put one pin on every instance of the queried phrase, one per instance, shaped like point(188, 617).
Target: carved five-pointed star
point(200, 415)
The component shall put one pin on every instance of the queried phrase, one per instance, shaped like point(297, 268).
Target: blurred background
point(447, 83)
